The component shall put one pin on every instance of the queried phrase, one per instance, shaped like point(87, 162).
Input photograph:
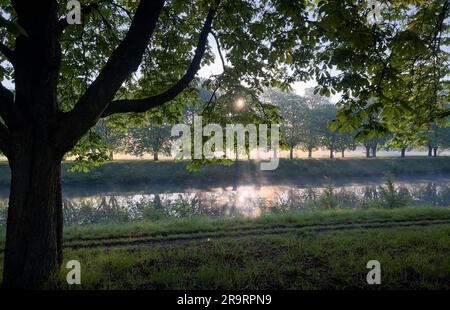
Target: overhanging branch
point(145, 104)
point(124, 60)
point(443, 114)
point(6, 102)
point(222, 59)
point(4, 139)
point(9, 53)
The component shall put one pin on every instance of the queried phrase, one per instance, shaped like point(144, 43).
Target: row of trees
point(306, 126)
point(306, 123)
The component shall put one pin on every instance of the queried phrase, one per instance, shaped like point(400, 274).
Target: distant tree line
point(305, 127)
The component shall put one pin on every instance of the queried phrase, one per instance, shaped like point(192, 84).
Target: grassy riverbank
point(205, 225)
point(410, 258)
point(131, 172)
point(299, 250)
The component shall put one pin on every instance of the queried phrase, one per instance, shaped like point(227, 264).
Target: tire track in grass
point(206, 237)
point(245, 227)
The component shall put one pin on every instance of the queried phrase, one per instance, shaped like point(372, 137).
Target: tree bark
point(343, 153)
point(155, 156)
point(33, 249)
point(403, 152)
point(430, 151)
point(310, 153)
point(374, 152)
point(291, 153)
point(331, 153)
point(435, 154)
point(367, 152)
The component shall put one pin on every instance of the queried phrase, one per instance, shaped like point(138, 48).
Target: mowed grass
point(414, 257)
point(410, 258)
point(101, 233)
point(144, 171)
point(197, 225)
point(193, 226)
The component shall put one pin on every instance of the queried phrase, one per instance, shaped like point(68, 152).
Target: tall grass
point(390, 197)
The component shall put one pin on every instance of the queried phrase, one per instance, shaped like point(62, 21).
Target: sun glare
point(240, 104)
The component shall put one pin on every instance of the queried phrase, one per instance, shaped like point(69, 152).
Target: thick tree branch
point(219, 49)
point(443, 114)
point(145, 104)
point(4, 139)
point(124, 61)
point(9, 53)
point(6, 103)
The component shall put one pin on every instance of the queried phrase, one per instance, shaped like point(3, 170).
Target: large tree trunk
point(430, 151)
point(39, 133)
point(34, 225)
point(310, 153)
point(367, 152)
point(435, 154)
point(403, 152)
point(33, 249)
point(343, 153)
point(155, 156)
point(374, 151)
point(331, 153)
point(291, 153)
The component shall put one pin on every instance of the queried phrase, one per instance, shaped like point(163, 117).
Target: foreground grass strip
point(203, 225)
point(248, 232)
point(131, 231)
point(411, 258)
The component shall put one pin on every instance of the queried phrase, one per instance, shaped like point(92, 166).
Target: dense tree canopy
point(384, 68)
point(395, 69)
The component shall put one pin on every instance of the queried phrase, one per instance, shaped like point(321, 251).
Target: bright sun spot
point(240, 104)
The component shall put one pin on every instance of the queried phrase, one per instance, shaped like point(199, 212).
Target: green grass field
point(410, 258)
point(300, 250)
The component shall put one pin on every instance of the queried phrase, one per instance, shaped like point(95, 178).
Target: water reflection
point(246, 201)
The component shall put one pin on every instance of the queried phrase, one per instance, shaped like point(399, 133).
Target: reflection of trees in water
point(362, 196)
point(231, 202)
point(101, 210)
point(370, 192)
point(157, 202)
point(433, 194)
